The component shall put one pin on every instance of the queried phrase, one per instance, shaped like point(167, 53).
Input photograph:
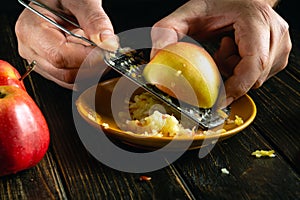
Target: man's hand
point(59, 55)
point(259, 49)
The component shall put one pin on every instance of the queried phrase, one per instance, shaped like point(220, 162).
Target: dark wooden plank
point(39, 182)
point(249, 178)
point(278, 105)
point(83, 176)
point(279, 123)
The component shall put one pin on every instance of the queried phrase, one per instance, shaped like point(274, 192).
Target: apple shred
point(150, 118)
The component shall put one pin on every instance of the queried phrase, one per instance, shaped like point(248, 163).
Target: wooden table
point(68, 171)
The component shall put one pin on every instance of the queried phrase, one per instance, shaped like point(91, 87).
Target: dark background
point(138, 13)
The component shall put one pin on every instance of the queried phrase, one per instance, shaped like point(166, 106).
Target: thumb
point(95, 23)
point(174, 26)
point(162, 35)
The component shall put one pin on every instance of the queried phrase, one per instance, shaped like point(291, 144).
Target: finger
point(227, 56)
point(170, 29)
point(95, 22)
point(49, 71)
point(261, 79)
point(77, 40)
point(161, 37)
point(92, 67)
point(49, 42)
point(279, 55)
point(243, 78)
point(253, 43)
point(280, 46)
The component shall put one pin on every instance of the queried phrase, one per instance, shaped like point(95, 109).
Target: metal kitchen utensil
point(130, 63)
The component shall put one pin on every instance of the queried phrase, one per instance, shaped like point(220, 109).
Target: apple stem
point(29, 69)
point(2, 95)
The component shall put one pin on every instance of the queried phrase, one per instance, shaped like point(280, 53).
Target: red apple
point(24, 133)
point(9, 75)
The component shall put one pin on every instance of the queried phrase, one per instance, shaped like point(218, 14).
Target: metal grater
point(130, 63)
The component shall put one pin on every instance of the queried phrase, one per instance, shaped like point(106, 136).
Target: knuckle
point(242, 89)
point(286, 37)
point(263, 61)
point(284, 27)
point(55, 57)
point(22, 52)
point(158, 24)
point(286, 49)
point(258, 84)
point(282, 64)
point(68, 77)
point(288, 46)
point(20, 32)
point(281, 67)
point(18, 28)
point(95, 17)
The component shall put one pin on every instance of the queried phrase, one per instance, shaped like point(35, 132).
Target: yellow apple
point(180, 66)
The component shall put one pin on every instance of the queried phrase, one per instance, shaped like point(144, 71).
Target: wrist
point(272, 3)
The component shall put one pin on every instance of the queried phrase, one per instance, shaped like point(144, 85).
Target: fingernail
point(95, 38)
point(229, 100)
point(110, 43)
point(106, 40)
point(109, 40)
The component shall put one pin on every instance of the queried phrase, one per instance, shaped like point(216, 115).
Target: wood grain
point(68, 171)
